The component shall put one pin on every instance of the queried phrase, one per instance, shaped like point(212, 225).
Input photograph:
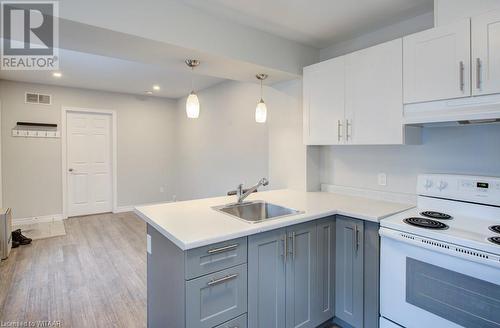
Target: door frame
point(114, 190)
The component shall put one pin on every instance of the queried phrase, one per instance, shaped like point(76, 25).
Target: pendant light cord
point(261, 93)
point(192, 79)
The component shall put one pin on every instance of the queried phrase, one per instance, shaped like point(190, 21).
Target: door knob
point(70, 170)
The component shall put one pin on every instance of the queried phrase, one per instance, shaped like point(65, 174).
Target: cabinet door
point(374, 95)
point(301, 276)
point(437, 63)
point(266, 279)
point(325, 272)
point(349, 271)
point(486, 53)
point(323, 92)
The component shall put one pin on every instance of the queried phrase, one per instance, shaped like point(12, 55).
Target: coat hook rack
point(35, 130)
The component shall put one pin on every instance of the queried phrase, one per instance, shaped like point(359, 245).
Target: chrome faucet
point(244, 193)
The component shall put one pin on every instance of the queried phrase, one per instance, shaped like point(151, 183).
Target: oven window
point(456, 297)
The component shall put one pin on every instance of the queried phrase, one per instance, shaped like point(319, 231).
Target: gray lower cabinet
point(204, 287)
point(325, 272)
point(282, 278)
point(349, 271)
point(301, 294)
point(266, 279)
point(357, 252)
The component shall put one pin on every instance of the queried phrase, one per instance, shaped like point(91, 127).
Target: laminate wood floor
point(95, 276)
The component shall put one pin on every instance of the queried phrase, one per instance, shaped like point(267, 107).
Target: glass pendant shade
point(261, 112)
point(192, 106)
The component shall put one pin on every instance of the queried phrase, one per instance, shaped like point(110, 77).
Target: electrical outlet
point(174, 198)
point(382, 179)
point(162, 189)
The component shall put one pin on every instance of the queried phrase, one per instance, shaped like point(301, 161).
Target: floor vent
point(36, 98)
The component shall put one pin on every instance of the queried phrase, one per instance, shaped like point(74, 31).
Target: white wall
point(391, 32)
point(225, 146)
point(464, 150)
point(448, 11)
point(32, 167)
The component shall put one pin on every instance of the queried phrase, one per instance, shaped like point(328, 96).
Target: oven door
point(423, 285)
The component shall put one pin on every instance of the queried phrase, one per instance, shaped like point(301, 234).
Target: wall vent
point(36, 98)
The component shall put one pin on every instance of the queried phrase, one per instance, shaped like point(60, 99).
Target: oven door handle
point(466, 253)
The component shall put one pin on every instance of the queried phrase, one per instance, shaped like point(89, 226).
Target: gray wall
point(391, 32)
point(32, 167)
point(463, 150)
point(225, 146)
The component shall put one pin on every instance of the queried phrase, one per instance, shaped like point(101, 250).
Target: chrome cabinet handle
point(347, 125)
point(339, 130)
point(462, 80)
point(478, 73)
point(357, 237)
point(293, 245)
point(285, 247)
point(223, 249)
point(221, 280)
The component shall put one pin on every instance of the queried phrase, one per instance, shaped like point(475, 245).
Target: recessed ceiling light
point(148, 92)
point(57, 74)
point(156, 87)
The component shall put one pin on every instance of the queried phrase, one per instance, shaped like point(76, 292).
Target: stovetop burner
point(426, 223)
point(436, 215)
point(495, 228)
point(495, 240)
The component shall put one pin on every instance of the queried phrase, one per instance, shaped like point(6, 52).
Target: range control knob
point(428, 184)
point(442, 185)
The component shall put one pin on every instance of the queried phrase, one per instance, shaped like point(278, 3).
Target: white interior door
point(89, 175)
point(486, 53)
point(437, 63)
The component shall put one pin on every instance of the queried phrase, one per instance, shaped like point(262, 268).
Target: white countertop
point(191, 224)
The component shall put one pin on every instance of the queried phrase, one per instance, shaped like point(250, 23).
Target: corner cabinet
point(356, 99)
point(357, 258)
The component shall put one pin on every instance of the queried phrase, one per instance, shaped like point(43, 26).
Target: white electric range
point(440, 262)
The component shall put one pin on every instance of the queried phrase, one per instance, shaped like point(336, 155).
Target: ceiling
point(82, 70)
point(317, 23)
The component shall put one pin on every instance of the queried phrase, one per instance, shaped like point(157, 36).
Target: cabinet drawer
point(208, 259)
point(240, 322)
point(216, 298)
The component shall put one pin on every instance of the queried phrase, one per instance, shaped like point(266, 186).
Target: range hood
point(460, 111)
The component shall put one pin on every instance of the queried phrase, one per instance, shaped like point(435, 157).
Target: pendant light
point(192, 102)
point(261, 109)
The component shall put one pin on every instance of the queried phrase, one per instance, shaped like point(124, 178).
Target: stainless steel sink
point(256, 211)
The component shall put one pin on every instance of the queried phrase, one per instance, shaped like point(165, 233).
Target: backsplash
point(471, 149)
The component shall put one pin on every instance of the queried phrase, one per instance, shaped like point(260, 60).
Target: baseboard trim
point(372, 194)
point(130, 208)
point(37, 219)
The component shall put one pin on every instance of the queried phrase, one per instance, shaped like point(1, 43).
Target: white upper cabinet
point(323, 93)
point(374, 95)
point(486, 53)
point(436, 63)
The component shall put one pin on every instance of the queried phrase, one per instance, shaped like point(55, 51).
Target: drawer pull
point(223, 249)
point(221, 280)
